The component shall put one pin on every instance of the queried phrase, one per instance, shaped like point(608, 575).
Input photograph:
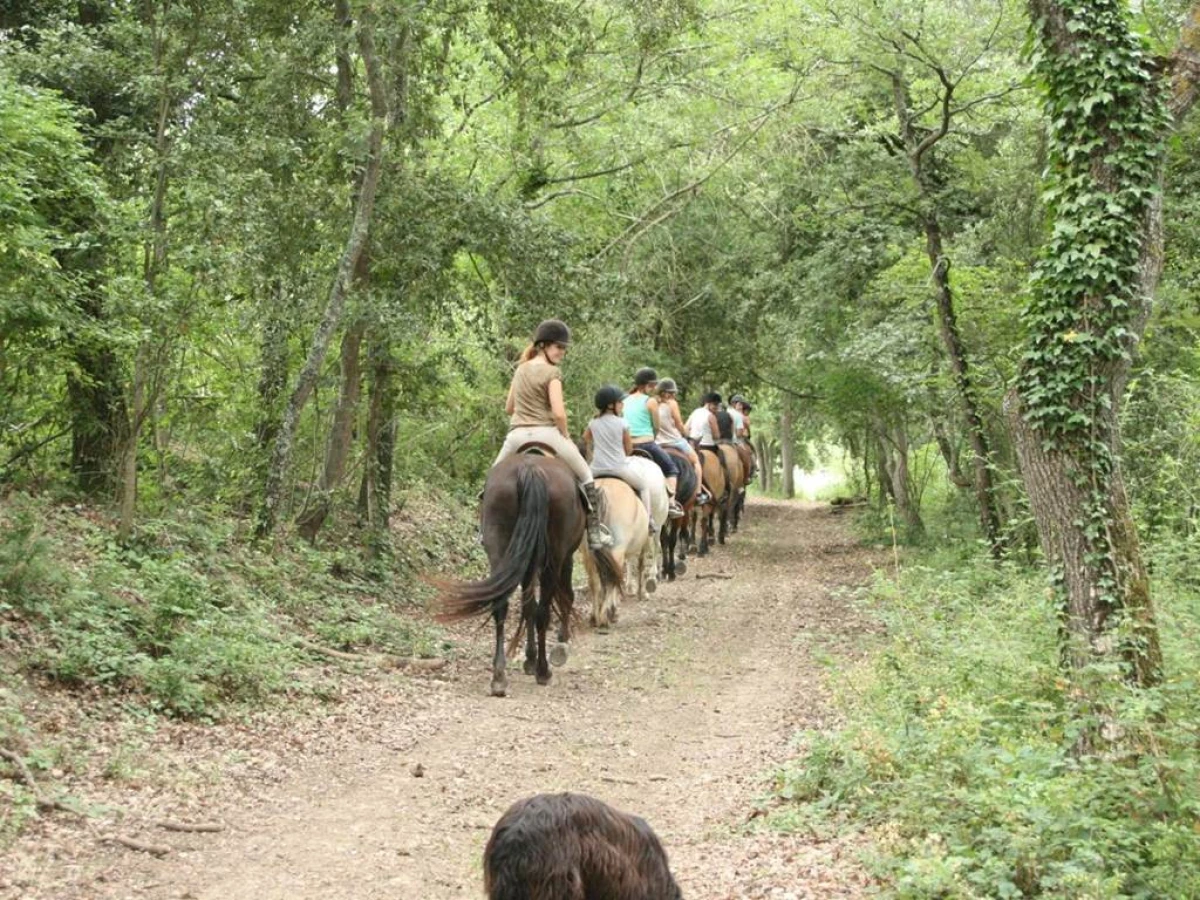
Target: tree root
point(192, 827)
point(720, 575)
point(26, 777)
point(141, 846)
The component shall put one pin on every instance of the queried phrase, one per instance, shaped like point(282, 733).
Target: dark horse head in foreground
point(533, 519)
point(574, 847)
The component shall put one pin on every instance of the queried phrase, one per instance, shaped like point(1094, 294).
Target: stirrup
point(602, 537)
point(674, 510)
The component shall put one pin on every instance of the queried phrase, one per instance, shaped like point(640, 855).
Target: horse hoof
point(499, 688)
point(544, 679)
point(651, 585)
point(601, 629)
point(680, 569)
point(558, 655)
point(530, 667)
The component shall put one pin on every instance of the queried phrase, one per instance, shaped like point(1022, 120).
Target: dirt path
point(679, 715)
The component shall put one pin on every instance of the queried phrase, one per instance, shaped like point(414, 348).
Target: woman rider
point(538, 414)
point(670, 432)
point(641, 412)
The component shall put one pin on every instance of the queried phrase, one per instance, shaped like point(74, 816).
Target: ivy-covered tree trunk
point(375, 493)
point(1091, 297)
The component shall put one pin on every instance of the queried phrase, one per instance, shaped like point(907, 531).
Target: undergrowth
point(191, 619)
point(956, 752)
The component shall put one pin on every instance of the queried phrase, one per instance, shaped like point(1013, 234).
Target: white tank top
point(667, 432)
point(699, 428)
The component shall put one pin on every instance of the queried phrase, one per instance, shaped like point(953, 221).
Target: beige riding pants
point(552, 438)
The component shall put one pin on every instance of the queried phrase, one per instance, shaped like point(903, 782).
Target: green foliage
point(187, 618)
point(956, 753)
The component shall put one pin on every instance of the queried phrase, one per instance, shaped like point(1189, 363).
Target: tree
point(1108, 111)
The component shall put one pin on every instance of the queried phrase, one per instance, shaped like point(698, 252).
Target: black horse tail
point(522, 560)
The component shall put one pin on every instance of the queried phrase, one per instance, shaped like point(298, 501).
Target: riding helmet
point(711, 397)
point(736, 399)
point(645, 376)
point(668, 386)
point(608, 395)
point(552, 331)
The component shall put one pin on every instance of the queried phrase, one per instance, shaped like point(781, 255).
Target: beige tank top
point(531, 394)
point(667, 432)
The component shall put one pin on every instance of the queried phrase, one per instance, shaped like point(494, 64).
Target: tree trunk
point(1071, 471)
point(918, 144)
point(94, 395)
point(949, 454)
point(145, 383)
point(337, 448)
point(281, 460)
point(375, 493)
point(981, 454)
point(787, 449)
point(273, 377)
point(764, 464)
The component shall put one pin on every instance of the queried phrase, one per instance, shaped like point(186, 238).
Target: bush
point(957, 751)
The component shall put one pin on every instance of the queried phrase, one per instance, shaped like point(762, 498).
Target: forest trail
point(679, 715)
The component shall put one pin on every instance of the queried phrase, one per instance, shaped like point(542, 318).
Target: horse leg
point(643, 587)
point(528, 611)
point(706, 524)
point(668, 550)
point(648, 574)
point(499, 663)
point(723, 515)
point(542, 622)
point(558, 653)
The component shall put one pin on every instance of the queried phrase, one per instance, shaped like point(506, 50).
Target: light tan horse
point(737, 484)
point(629, 523)
point(714, 480)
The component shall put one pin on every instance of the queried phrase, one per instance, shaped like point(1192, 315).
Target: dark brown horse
point(574, 847)
point(685, 492)
point(532, 520)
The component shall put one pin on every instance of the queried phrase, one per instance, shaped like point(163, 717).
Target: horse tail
point(608, 570)
point(522, 560)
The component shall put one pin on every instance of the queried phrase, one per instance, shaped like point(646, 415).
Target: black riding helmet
point(711, 397)
point(668, 386)
point(552, 331)
point(645, 376)
point(608, 395)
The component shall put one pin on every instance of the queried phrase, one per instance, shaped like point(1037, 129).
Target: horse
point(686, 490)
point(574, 847)
point(734, 489)
point(629, 524)
point(746, 455)
point(532, 518)
point(654, 479)
point(714, 480)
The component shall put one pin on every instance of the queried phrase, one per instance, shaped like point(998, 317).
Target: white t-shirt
point(699, 427)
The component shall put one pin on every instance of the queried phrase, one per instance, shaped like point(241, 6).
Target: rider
point(702, 423)
point(740, 410)
point(607, 436)
point(670, 432)
point(641, 412)
point(539, 415)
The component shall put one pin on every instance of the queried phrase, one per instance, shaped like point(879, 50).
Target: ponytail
point(531, 351)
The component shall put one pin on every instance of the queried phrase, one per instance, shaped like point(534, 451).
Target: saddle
point(537, 448)
point(638, 451)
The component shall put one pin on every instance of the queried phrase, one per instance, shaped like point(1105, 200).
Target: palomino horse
point(629, 523)
point(685, 492)
point(654, 479)
point(532, 519)
point(714, 480)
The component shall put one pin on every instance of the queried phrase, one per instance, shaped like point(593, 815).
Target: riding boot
point(674, 510)
point(598, 535)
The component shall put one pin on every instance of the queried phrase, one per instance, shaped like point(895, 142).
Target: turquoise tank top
point(638, 416)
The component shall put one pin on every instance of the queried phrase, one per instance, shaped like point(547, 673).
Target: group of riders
point(645, 420)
